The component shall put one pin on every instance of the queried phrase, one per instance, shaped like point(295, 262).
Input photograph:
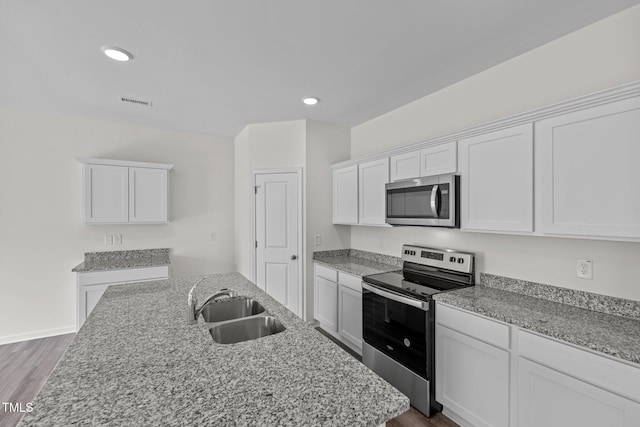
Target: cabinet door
point(106, 194)
point(148, 195)
point(350, 315)
point(88, 297)
point(549, 398)
point(472, 378)
point(345, 195)
point(588, 167)
point(326, 303)
point(497, 180)
point(372, 194)
point(439, 159)
point(405, 166)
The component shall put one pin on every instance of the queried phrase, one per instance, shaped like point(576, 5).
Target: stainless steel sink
point(228, 309)
point(245, 329)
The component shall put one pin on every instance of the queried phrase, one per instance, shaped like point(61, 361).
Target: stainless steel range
point(399, 323)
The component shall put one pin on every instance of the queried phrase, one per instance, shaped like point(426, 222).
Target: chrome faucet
point(192, 301)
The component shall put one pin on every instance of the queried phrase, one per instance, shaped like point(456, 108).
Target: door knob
point(294, 257)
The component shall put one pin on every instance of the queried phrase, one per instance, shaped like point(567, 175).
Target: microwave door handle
point(434, 201)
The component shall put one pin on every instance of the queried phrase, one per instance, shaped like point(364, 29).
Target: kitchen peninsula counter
point(136, 361)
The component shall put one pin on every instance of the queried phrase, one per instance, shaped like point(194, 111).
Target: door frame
point(301, 251)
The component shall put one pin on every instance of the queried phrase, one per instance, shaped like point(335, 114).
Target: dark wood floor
point(25, 366)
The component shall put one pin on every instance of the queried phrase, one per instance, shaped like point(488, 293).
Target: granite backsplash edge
point(595, 302)
point(121, 255)
point(357, 253)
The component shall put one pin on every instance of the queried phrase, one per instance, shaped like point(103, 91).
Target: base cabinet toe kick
point(490, 373)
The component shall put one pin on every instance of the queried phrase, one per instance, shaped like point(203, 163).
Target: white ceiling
point(214, 66)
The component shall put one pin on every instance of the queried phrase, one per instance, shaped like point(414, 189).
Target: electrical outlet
point(117, 239)
point(214, 236)
point(318, 239)
point(584, 269)
point(108, 240)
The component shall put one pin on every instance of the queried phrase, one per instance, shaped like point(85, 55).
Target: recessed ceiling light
point(310, 100)
point(116, 53)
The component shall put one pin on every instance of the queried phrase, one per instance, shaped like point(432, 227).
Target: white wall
point(42, 236)
point(326, 144)
point(311, 146)
point(600, 56)
point(261, 146)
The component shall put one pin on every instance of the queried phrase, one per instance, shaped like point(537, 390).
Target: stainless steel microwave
point(430, 201)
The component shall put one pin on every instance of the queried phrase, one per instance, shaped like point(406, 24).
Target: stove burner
point(426, 272)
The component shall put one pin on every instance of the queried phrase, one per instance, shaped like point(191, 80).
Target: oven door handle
point(395, 297)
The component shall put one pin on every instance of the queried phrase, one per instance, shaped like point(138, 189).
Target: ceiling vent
point(136, 101)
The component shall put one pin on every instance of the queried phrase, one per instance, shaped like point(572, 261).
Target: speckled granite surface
point(613, 335)
point(356, 262)
point(601, 303)
point(120, 260)
point(136, 361)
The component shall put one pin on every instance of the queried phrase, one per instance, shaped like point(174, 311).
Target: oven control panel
point(440, 258)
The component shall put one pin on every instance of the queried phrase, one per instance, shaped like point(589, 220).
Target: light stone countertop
point(358, 263)
point(122, 260)
point(136, 361)
point(614, 335)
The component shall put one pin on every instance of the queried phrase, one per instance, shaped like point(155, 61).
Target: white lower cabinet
point(91, 285)
point(552, 399)
point(350, 310)
point(489, 373)
point(472, 376)
point(338, 305)
point(326, 304)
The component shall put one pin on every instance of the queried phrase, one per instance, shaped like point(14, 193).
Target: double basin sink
point(238, 319)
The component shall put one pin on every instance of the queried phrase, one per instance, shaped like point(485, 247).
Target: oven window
point(398, 330)
point(413, 202)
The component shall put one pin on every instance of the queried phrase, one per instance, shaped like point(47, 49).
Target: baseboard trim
point(37, 334)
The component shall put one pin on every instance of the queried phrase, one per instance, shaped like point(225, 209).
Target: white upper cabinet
point(436, 160)
point(106, 194)
point(371, 191)
point(120, 192)
point(439, 159)
point(405, 166)
point(345, 195)
point(148, 195)
point(587, 169)
point(497, 180)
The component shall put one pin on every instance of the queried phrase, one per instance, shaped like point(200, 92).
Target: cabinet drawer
point(327, 273)
point(119, 276)
point(618, 377)
point(350, 281)
point(473, 325)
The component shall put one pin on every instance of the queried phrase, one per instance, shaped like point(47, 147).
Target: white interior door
point(277, 240)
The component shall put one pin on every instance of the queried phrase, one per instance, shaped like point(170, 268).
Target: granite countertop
point(122, 260)
point(358, 263)
point(136, 361)
point(607, 333)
